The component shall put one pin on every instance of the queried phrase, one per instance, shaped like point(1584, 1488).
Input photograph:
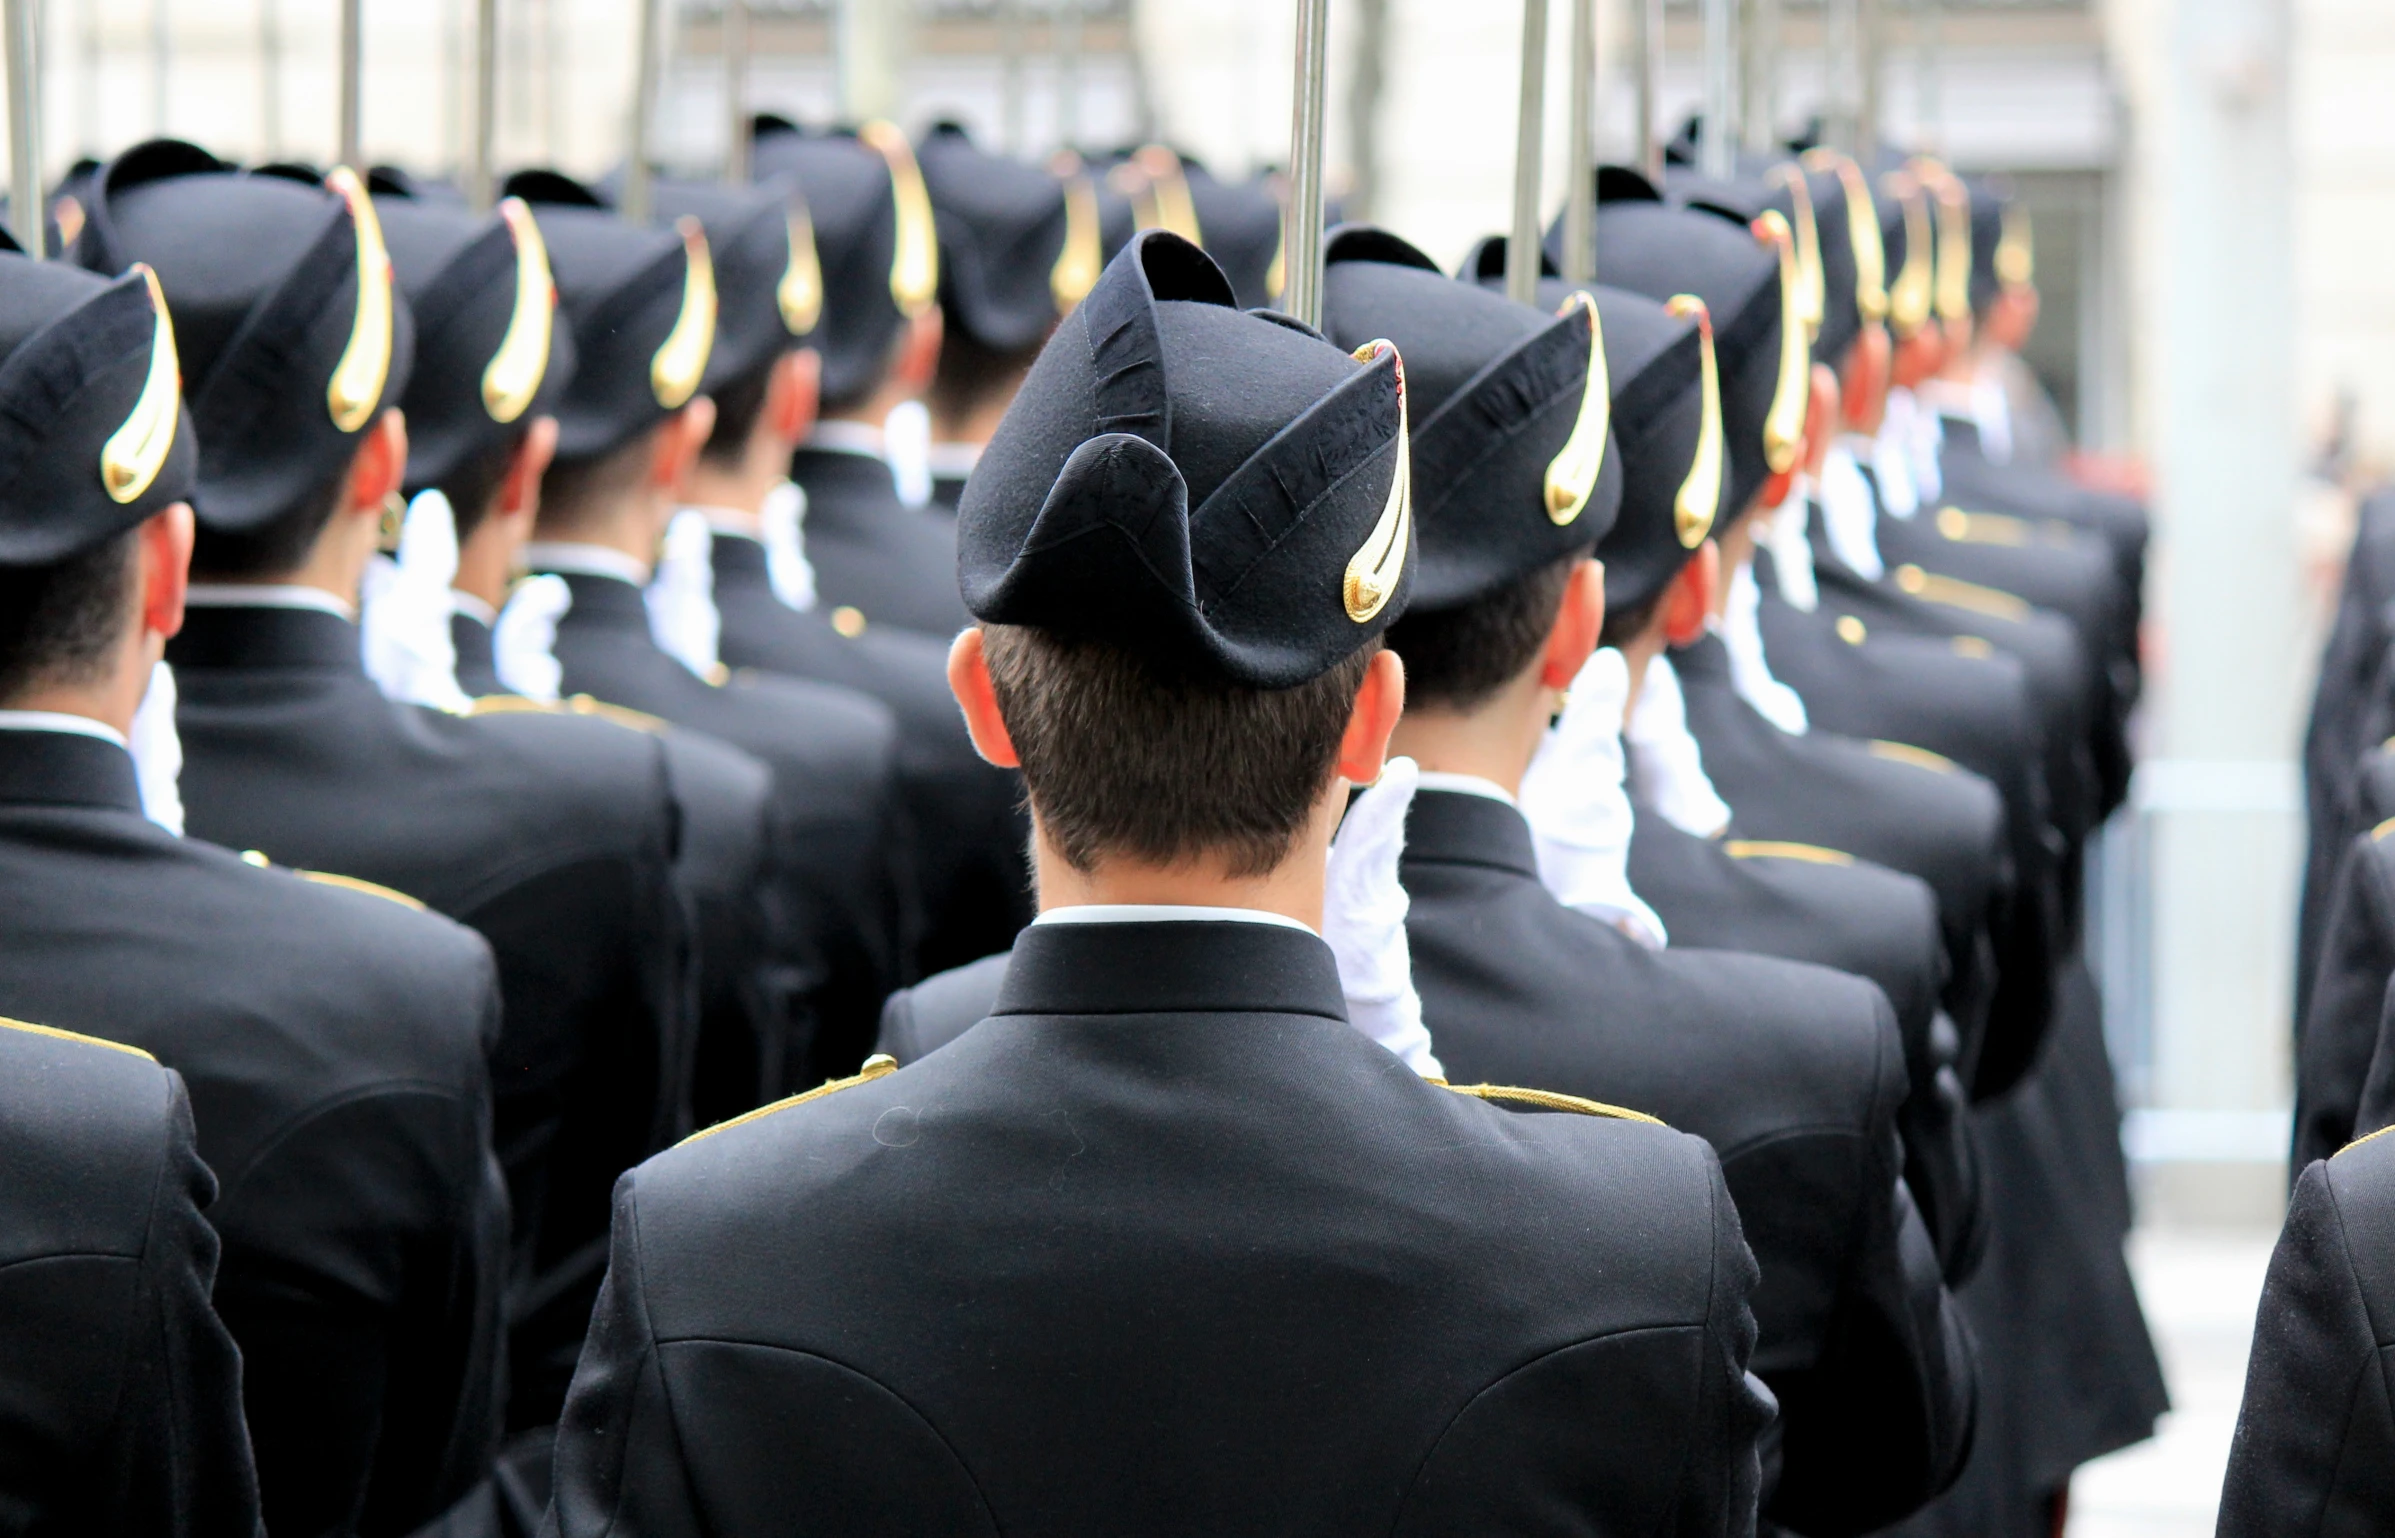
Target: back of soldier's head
point(93, 443)
point(1185, 542)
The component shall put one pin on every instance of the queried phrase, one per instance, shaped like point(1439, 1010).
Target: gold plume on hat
point(1954, 240)
point(1572, 473)
point(1784, 424)
point(365, 366)
point(1084, 256)
point(1862, 233)
point(2016, 249)
point(1812, 288)
point(681, 361)
point(132, 456)
point(800, 293)
point(522, 361)
point(915, 256)
point(1374, 571)
point(1909, 296)
point(1699, 496)
point(1158, 186)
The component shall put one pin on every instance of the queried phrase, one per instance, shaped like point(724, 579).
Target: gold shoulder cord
point(356, 884)
point(879, 1065)
point(1782, 849)
point(1955, 593)
point(30, 1029)
point(1906, 753)
point(1547, 1100)
point(2365, 1138)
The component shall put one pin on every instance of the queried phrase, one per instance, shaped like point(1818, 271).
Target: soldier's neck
point(1293, 889)
point(1494, 741)
point(631, 523)
point(111, 697)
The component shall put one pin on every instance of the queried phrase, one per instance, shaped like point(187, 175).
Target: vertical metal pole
point(1758, 54)
point(270, 78)
point(1716, 158)
point(1012, 137)
point(1302, 245)
point(1841, 45)
point(1068, 74)
point(1367, 83)
point(352, 57)
point(480, 184)
point(1580, 150)
point(28, 206)
point(644, 106)
point(1530, 122)
point(735, 91)
point(1929, 23)
point(1869, 45)
point(161, 45)
point(1650, 76)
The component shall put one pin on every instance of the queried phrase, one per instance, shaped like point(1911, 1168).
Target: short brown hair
point(1459, 658)
point(59, 623)
point(1121, 760)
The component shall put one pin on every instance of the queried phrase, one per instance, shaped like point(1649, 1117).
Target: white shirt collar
point(267, 595)
point(955, 459)
point(586, 561)
point(59, 721)
point(842, 437)
point(1466, 785)
point(1164, 913)
point(726, 520)
point(472, 607)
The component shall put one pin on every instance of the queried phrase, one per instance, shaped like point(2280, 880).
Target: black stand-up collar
point(607, 601)
point(66, 769)
point(1458, 828)
point(264, 637)
point(1170, 968)
point(833, 476)
point(740, 560)
point(1708, 656)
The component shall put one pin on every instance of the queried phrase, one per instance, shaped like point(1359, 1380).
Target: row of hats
point(282, 277)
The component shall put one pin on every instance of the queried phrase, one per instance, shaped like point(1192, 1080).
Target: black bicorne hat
point(1019, 246)
point(768, 277)
point(1854, 261)
point(291, 335)
point(490, 352)
point(2003, 251)
point(1225, 494)
point(640, 305)
point(1242, 225)
point(93, 435)
point(876, 240)
point(1509, 405)
point(1750, 287)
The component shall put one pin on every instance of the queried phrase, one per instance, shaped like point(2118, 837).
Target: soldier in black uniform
point(2315, 1445)
point(969, 833)
point(879, 341)
point(1168, 1106)
point(553, 837)
point(1796, 1074)
point(642, 306)
point(120, 1391)
point(332, 1036)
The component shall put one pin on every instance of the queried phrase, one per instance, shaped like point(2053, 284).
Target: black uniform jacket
point(2315, 1447)
point(1857, 918)
point(120, 1392)
point(552, 836)
point(1165, 1246)
point(1894, 805)
point(1972, 480)
point(971, 833)
point(2335, 737)
point(1794, 1074)
point(334, 1044)
point(894, 564)
point(2335, 1040)
point(922, 1019)
point(841, 840)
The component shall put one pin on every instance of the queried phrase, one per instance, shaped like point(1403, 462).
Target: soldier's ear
point(977, 696)
point(1688, 602)
point(1380, 700)
point(1579, 622)
point(165, 569)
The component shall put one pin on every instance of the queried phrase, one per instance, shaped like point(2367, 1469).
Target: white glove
point(1666, 764)
point(404, 609)
point(1892, 456)
point(783, 521)
point(158, 752)
point(906, 447)
point(681, 596)
point(1782, 532)
point(524, 641)
point(1580, 819)
point(1849, 513)
point(1363, 919)
point(1750, 669)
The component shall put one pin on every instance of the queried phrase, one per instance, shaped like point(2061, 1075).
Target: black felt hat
point(768, 278)
point(1511, 464)
point(876, 240)
point(93, 435)
point(490, 353)
point(1019, 246)
point(2003, 250)
point(1223, 493)
point(291, 335)
point(1242, 226)
point(1854, 266)
point(1749, 287)
point(640, 305)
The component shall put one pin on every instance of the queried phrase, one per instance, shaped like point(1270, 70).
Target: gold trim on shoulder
point(879, 1066)
point(800, 293)
point(1572, 473)
point(2367, 1137)
point(1374, 571)
point(1784, 423)
point(1812, 287)
point(621, 715)
point(1906, 753)
point(1084, 254)
point(133, 455)
point(1954, 593)
point(1548, 1100)
point(52, 1031)
point(1783, 849)
point(1977, 648)
point(365, 365)
point(1851, 630)
point(681, 360)
point(357, 884)
point(2383, 829)
point(1982, 528)
point(1698, 500)
point(1910, 295)
point(1862, 233)
point(915, 255)
point(2016, 248)
point(522, 361)
point(510, 705)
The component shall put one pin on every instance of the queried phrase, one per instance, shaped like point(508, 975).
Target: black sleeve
point(1883, 1421)
point(2339, 1030)
point(179, 1464)
point(2314, 1453)
point(1941, 1156)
